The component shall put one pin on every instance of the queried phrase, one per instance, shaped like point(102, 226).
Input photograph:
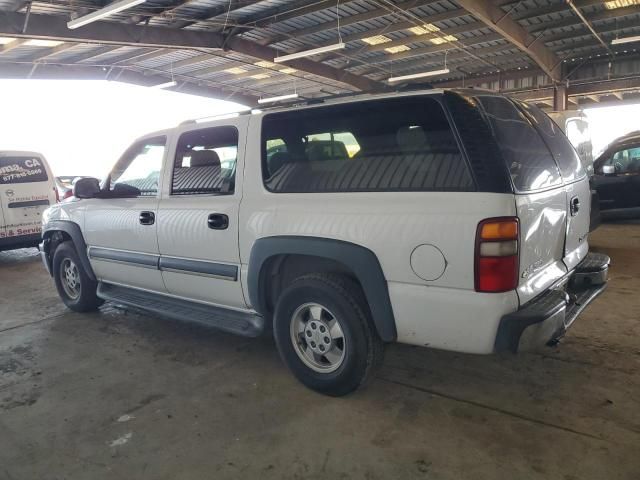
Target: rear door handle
point(218, 221)
point(147, 218)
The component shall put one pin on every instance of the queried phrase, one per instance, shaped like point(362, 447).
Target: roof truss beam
point(496, 19)
point(55, 28)
point(52, 27)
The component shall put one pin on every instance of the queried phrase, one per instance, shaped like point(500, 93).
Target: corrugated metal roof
point(300, 26)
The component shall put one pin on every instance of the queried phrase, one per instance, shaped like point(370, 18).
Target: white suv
point(451, 219)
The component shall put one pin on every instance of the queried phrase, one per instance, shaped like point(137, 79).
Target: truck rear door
point(576, 185)
point(540, 196)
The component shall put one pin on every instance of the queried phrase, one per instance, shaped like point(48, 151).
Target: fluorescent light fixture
point(620, 4)
point(418, 75)
point(423, 30)
point(376, 40)
point(5, 40)
point(397, 49)
point(278, 99)
point(441, 40)
point(35, 42)
point(170, 84)
point(618, 41)
point(110, 9)
point(310, 53)
point(235, 70)
point(288, 70)
point(265, 64)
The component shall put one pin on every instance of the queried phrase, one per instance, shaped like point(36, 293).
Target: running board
point(232, 321)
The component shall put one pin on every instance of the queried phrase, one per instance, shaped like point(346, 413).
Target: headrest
point(204, 158)
point(322, 150)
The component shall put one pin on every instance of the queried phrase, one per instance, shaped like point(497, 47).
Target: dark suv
point(617, 175)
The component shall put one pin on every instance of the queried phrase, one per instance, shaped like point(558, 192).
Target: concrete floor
point(120, 395)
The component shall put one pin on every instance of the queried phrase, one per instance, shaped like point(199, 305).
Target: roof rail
point(208, 118)
point(405, 87)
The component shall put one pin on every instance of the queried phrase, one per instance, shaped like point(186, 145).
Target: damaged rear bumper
point(545, 319)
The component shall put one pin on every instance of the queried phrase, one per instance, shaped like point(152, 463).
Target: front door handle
point(575, 206)
point(218, 221)
point(147, 218)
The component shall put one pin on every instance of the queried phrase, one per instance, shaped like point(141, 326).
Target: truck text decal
point(21, 170)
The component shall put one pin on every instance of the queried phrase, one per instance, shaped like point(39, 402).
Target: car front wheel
point(76, 289)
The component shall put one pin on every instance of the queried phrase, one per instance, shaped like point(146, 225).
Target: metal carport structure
point(555, 52)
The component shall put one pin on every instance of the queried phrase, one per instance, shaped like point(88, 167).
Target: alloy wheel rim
point(70, 278)
point(317, 338)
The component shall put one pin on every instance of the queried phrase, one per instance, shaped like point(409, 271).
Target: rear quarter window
point(22, 170)
point(565, 155)
point(396, 145)
point(528, 159)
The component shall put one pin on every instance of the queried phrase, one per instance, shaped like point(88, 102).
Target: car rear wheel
point(76, 289)
point(324, 333)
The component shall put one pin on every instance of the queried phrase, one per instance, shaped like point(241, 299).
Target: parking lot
point(117, 394)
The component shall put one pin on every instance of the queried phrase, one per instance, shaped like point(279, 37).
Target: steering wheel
point(618, 166)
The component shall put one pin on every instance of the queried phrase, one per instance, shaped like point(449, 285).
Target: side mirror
point(86, 188)
point(608, 170)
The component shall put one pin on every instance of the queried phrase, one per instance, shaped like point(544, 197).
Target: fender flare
point(74, 231)
point(360, 260)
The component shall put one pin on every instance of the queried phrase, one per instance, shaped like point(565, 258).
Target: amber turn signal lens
point(501, 230)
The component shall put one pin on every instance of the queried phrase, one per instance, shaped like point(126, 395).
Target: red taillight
point(67, 194)
point(57, 195)
point(496, 256)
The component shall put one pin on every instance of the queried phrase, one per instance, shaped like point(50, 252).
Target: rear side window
point(22, 170)
point(529, 161)
point(205, 162)
point(565, 155)
point(386, 145)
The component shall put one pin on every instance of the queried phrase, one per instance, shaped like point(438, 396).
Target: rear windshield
point(387, 145)
point(565, 155)
point(22, 170)
point(529, 161)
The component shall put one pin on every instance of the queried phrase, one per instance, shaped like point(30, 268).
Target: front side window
point(205, 162)
point(626, 160)
point(22, 170)
point(138, 171)
point(527, 157)
point(387, 145)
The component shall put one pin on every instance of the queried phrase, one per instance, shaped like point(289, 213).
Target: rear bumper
point(545, 319)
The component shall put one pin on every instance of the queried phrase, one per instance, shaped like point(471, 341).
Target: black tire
point(86, 299)
point(343, 299)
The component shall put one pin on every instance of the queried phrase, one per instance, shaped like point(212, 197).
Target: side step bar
point(232, 321)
